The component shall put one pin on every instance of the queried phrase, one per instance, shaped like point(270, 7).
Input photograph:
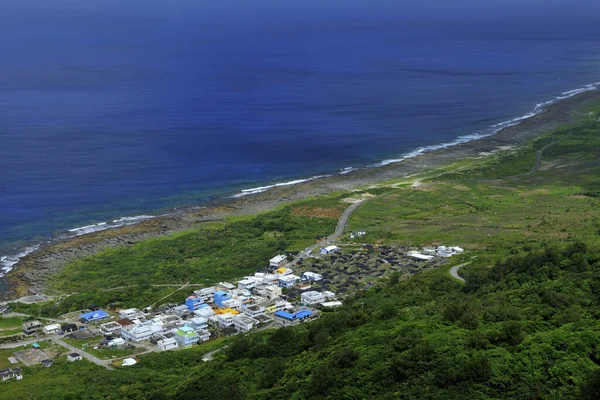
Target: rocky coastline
point(33, 272)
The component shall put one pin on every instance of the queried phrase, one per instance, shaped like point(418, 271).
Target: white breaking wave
point(9, 261)
point(538, 109)
point(246, 192)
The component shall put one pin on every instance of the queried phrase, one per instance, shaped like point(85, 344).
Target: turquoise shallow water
point(127, 108)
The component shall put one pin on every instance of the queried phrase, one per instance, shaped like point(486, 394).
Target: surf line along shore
point(30, 275)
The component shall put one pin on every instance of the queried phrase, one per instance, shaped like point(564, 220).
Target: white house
point(225, 286)
point(206, 294)
point(222, 320)
point(444, 251)
point(243, 323)
point(74, 357)
point(167, 344)
point(128, 362)
point(116, 342)
point(253, 310)
point(132, 314)
point(246, 284)
point(234, 304)
point(288, 281)
point(329, 249)
point(312, 297)
point(204, 312)
point(332, 304)
point(50, 329)
point(311, 276)
point(357, 234)
point(418, 256)
point(197, 323)
point(203, 336)
point(110, 328)
point(141, 332)
point(277, 261)
point(273, 292)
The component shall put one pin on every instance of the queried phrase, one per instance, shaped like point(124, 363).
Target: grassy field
point(495, 205)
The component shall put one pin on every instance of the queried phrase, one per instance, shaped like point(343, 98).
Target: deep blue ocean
point(122, 108)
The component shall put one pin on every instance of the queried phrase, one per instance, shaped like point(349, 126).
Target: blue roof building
point(220, 297)
point(94, 316)
point(283, 318)
point(193, 303)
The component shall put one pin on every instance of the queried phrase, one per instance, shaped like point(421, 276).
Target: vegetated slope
point(524, 326)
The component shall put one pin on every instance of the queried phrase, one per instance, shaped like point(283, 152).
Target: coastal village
point(290, 290)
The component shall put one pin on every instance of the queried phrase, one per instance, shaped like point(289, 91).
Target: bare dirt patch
point(317, 212)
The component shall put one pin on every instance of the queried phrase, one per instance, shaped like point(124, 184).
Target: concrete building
point(193, 303)
point(132, 314)
point(116, 342)
point(273, 292)
point(253, 310)
point(93, 316)
point(418, 256)
point(204, 312)
point(167, 344)
point(243, 323)
point(74, 357)
point(311, 277)
point(167, 321)
point(221, 296)
point(67, 328)
point(283, 318)
point(234, 304)
point(225, 286)
point(332, 304)
point(312, 297)
point(206, 294)
point(197, 323)
point(6, 374)
point(140, 332)
point(51, 329)
point(222, 321)
point(111, 328)
point(32, 327)
point(203, 336)
point(288, 281)
point(128, 362)
point(186, 336)
point(277, 261)
point(329, 249)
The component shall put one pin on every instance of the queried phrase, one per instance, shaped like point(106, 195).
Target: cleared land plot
point(31, 357)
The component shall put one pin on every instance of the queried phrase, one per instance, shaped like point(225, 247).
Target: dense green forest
point(524, 328)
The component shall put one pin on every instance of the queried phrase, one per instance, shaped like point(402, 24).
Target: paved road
point(339, 231)
point(21, 343)
point(341, 226)
point(454, 271)
point(88, 356)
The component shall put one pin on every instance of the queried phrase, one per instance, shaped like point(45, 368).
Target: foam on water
point(7, 262)
point(246, 192)
point(538, 109)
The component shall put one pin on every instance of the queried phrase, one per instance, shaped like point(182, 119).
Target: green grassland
point(524, 326)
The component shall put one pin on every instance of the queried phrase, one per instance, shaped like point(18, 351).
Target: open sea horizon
point(115, 111)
